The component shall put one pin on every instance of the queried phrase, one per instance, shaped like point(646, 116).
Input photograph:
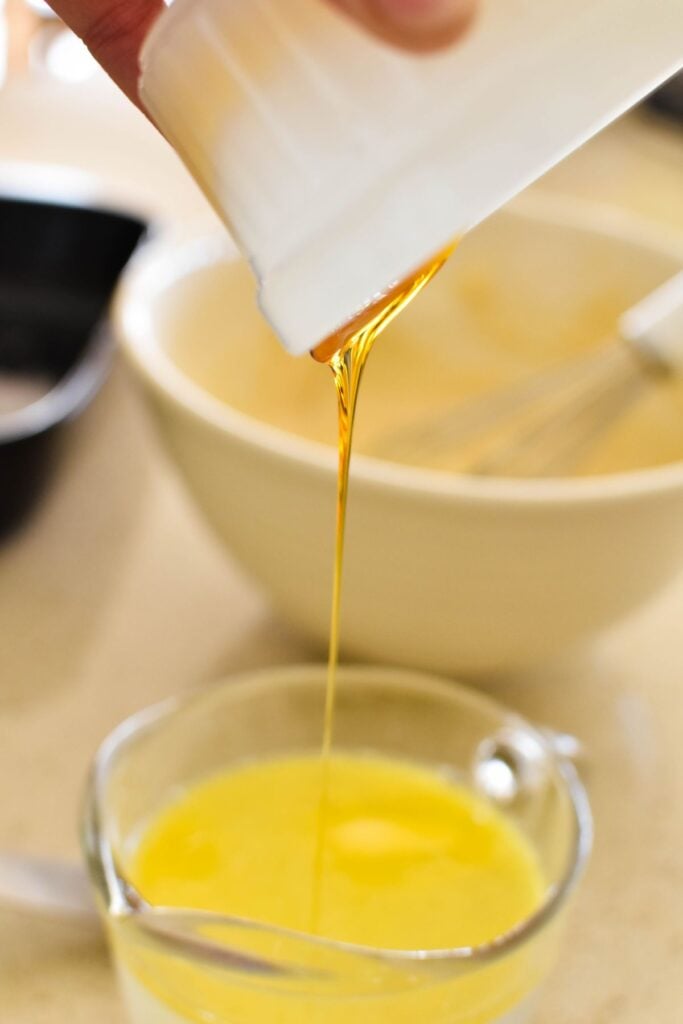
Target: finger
point(113, 31)
point(413, 24)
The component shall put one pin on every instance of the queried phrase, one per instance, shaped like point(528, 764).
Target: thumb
point(113, 31)
point(412, 24)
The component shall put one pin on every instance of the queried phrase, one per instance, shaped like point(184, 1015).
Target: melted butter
point(402, 840)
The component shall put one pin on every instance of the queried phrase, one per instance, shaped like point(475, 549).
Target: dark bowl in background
point(668, 100)
point(59, 264)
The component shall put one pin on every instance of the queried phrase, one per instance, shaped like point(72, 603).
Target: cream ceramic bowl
point(443, 572)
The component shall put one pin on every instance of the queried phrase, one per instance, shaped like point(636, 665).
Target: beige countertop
point(116, 595)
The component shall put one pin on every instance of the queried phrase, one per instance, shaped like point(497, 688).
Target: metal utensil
point(50, 888)
point(543, 424)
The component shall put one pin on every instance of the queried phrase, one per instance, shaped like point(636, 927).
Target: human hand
point(412, 24)
point(114, 30)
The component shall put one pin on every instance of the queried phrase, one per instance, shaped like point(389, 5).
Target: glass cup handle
point(515, 763)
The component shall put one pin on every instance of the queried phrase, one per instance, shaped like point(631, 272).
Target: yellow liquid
point(412, 859)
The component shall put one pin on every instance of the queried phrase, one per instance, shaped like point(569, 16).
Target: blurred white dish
point(443, 572)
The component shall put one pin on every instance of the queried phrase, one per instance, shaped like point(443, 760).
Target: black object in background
point(59, 265)
point(669, 99)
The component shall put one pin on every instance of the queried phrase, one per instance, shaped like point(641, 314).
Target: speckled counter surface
point(115, 595)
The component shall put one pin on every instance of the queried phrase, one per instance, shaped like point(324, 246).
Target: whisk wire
point(556, 445)
point(504, 433)
point(544, 423)
point(563, 424)
point(451, 428)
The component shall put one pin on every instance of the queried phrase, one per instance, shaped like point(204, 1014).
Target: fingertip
point(113, 31)
point(417, 25)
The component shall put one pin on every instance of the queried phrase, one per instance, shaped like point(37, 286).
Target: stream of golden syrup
point(346, 353)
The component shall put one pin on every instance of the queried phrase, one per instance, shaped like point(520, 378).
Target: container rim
point(158, 266)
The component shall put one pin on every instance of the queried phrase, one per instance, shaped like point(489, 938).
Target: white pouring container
point(342, 165)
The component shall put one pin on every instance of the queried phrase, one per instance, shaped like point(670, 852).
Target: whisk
point(543, 424)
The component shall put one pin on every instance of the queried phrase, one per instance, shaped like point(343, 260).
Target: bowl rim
point(67, 397)
point(64, 185)
point(65, 188)
point(171, 255)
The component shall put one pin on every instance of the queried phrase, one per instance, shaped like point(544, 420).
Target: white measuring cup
point(342, 165)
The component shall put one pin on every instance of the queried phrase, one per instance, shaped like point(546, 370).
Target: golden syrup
point(346, 353)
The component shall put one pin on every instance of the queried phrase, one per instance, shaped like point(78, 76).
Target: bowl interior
point(532, 285)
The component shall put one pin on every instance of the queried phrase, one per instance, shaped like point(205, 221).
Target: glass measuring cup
point(178, 966)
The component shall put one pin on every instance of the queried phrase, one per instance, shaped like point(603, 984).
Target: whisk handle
point(655, 326)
